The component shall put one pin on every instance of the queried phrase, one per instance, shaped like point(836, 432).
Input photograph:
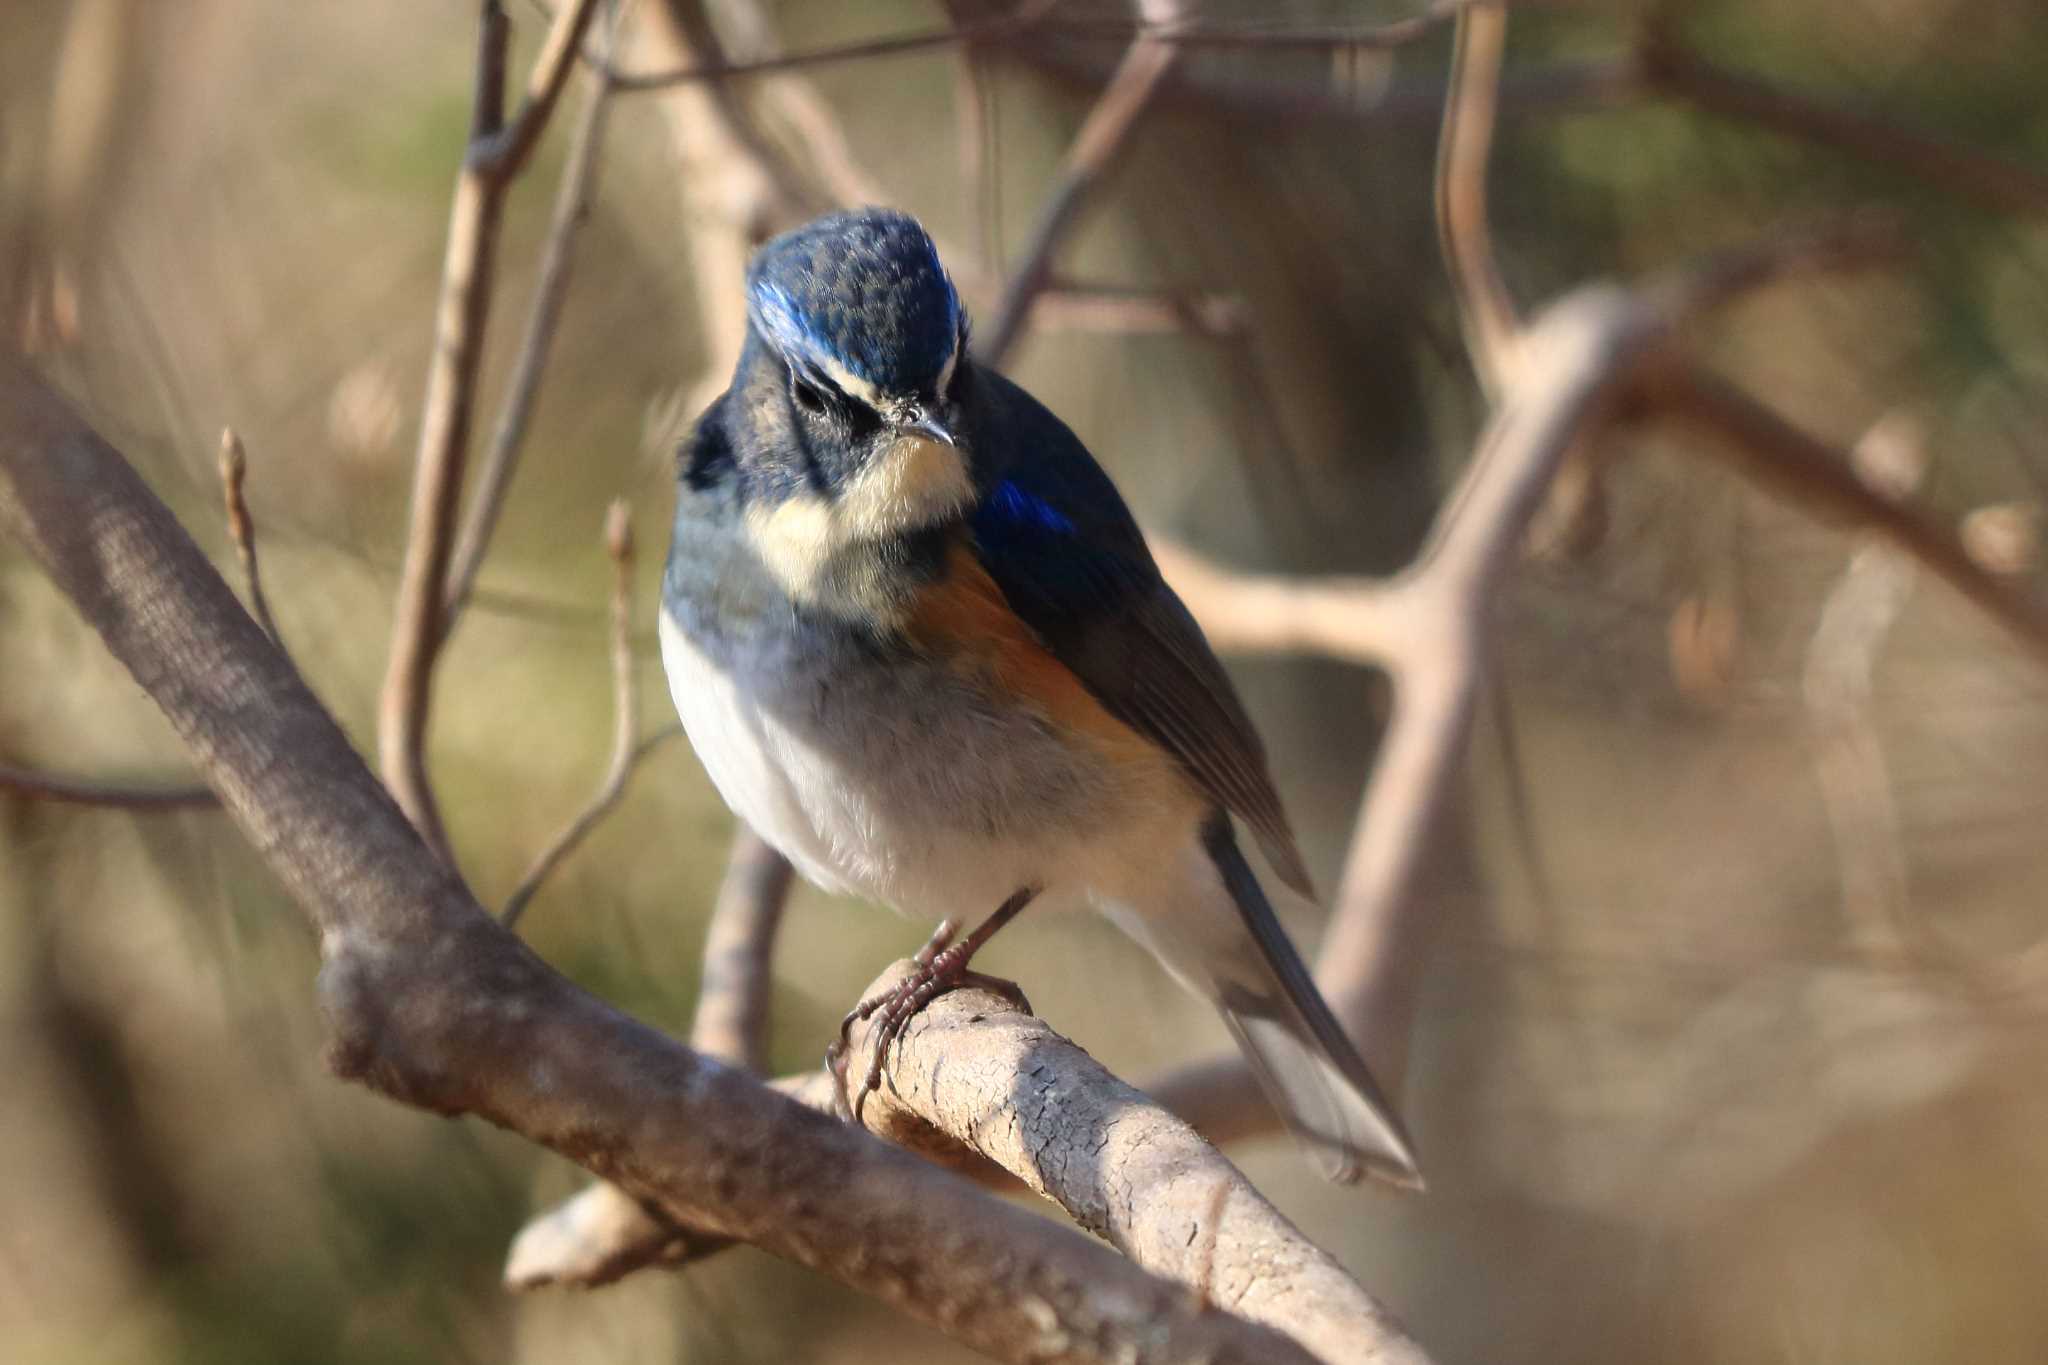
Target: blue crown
point(862, 292)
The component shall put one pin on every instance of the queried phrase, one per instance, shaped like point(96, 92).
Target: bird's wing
point(1058, 540)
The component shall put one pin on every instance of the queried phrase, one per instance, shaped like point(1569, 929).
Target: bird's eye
point(807, 395)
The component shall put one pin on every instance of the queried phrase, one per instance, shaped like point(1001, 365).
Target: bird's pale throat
point(805, 540)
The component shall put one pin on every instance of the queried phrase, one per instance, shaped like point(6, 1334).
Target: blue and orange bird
point(920, 646)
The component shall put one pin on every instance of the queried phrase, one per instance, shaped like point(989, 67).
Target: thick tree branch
point(603, 1234)
point(976, 1083)
point(975, 1071)
point(433, 1003)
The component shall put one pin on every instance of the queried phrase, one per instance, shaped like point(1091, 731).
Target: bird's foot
point(941, 966)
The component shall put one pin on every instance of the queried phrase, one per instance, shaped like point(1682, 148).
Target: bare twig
point(627, 750)
point(433, 1003)
point(234, 468)
point(497, 153)
point(558, 258)
point(84, 791)
point(1463, 149)
point(503, 152)
point(1102, 135)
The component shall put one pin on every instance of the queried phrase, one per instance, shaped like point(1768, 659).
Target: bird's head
point(869, 337)
point(846, 416)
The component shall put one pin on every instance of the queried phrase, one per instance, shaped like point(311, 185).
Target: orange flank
point(964, 620)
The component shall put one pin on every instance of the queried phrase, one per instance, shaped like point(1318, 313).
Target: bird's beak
point(924, 424)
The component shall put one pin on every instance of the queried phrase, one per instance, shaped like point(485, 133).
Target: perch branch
point(496, 154)
point(433, 1003)
point(1126, 1170)
point(975, 1071)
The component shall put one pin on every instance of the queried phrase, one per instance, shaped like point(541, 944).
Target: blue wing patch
point(1014, 503)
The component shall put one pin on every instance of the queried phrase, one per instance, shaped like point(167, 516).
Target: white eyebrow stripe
point(850, 384)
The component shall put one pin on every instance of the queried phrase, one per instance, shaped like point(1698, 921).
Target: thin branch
point(1464, 147)
point(558, 258)
point(1098, 308)
point(1427, 627)
point(1661, 70)
point(234, 468)
point(496, 155)
point(1102, 135)
point(627, 750)
point(1808, 473)
point(501, 154)
point(86, 791)
point(1348, 618)
point(1035, 19)
point(719, 122)
point(2000, 182)
point(739, 948)
point(433, 1003)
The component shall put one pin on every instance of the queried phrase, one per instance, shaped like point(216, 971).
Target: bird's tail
point(1236, 954)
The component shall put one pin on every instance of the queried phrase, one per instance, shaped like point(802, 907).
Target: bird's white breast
point(896, 780)
point(749, 767)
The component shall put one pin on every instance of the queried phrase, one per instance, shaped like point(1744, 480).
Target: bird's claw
point(941, 966)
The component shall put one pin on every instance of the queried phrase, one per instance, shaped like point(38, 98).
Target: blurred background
point(1728, 1047)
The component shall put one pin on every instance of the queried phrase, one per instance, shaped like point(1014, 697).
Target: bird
point(920, 646)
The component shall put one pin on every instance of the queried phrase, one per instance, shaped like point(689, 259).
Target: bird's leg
point(941, 967)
